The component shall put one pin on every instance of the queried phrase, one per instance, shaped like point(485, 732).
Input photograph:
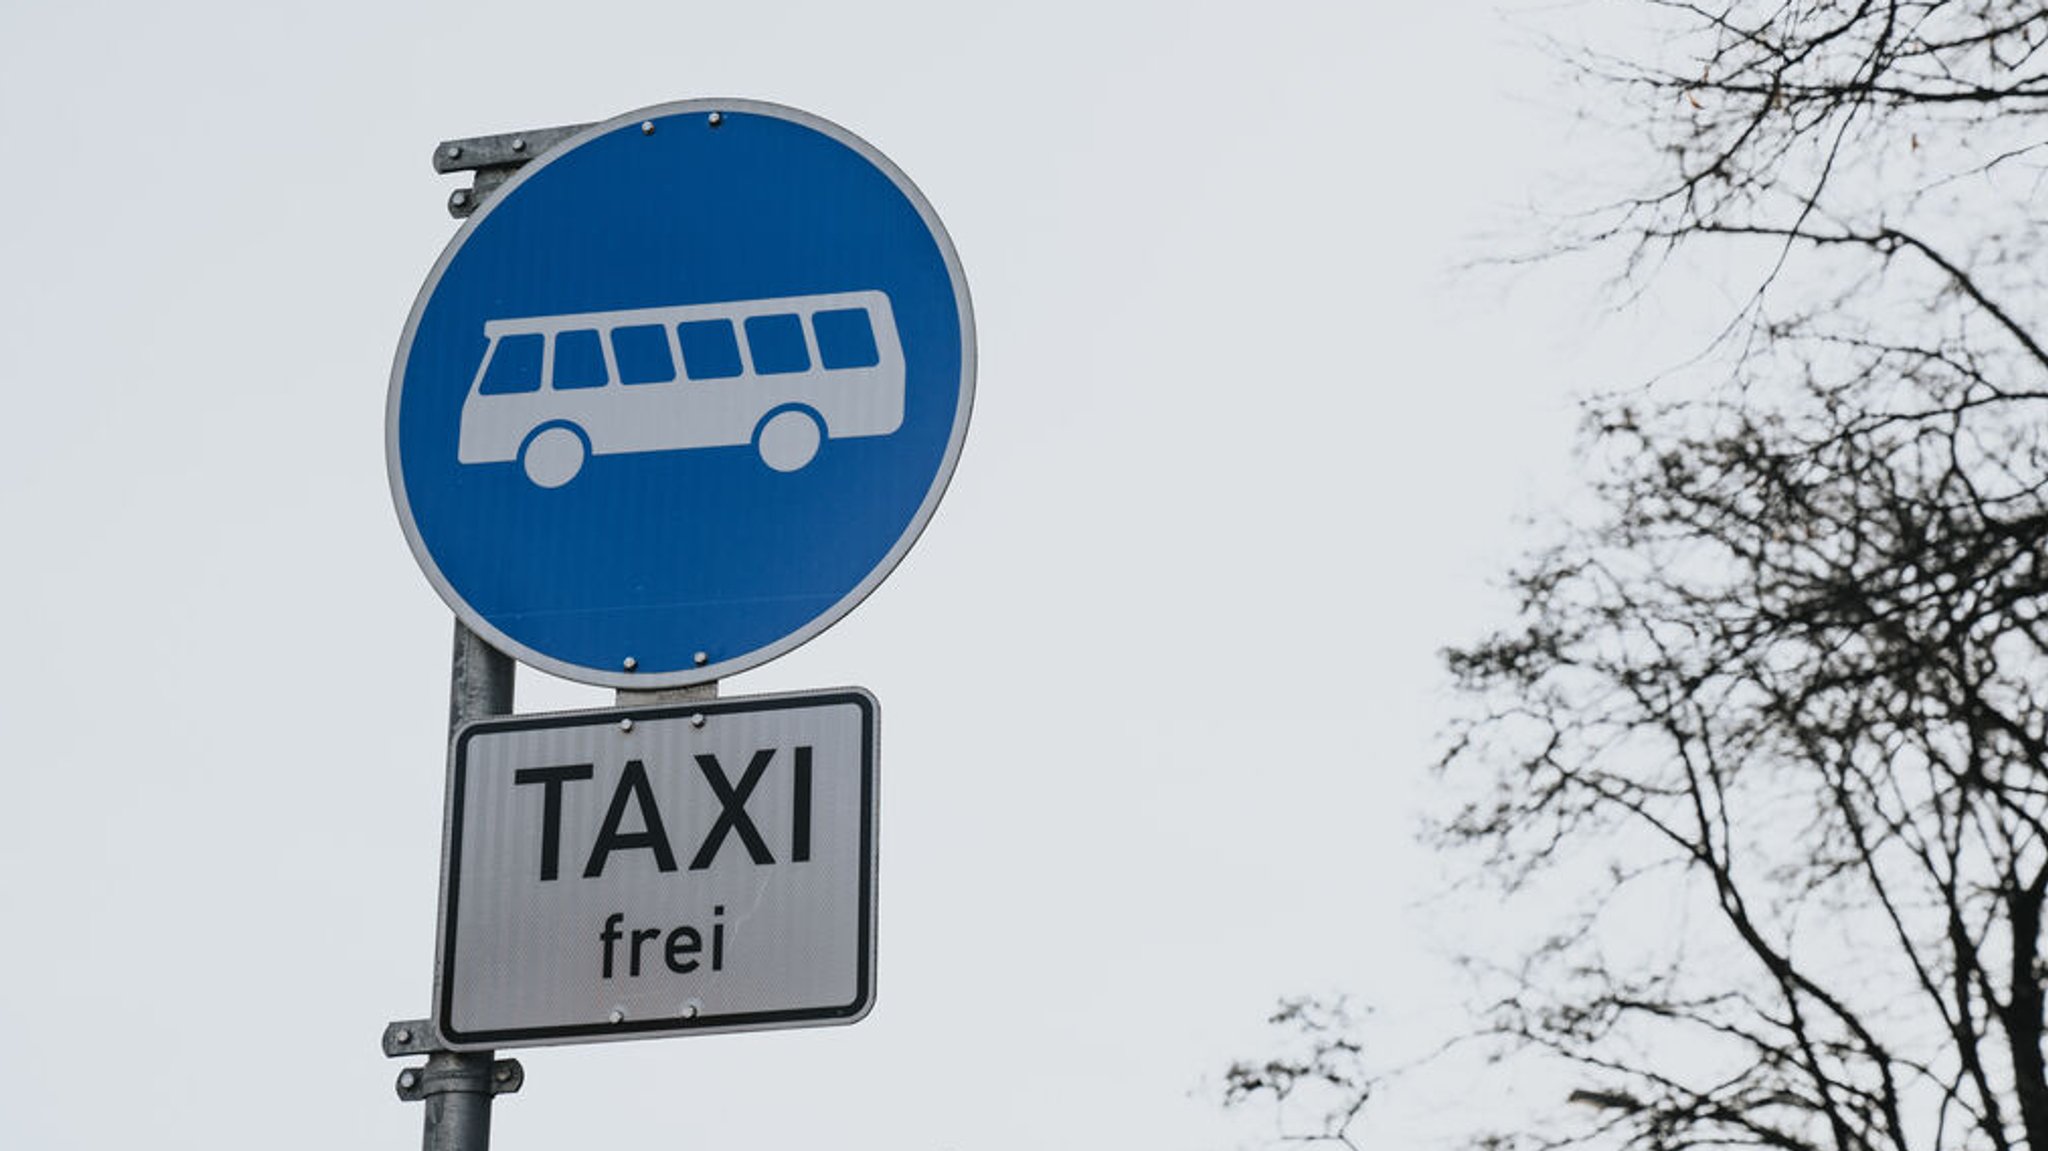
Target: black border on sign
point(451, 866)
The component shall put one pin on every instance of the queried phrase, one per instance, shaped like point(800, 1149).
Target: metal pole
point(456, 1087)
point(479, 680)
point(458, 1118)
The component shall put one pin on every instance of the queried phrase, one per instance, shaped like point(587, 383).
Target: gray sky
point(1158, 683)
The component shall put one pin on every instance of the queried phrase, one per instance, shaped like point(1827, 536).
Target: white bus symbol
point(781, 374)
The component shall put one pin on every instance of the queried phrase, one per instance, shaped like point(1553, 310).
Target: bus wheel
point(553, 456)
point(788, 439)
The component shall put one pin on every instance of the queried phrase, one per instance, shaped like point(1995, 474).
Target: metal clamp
point(409, 1037)
point(689, 693)
point(493, 159)
point(447, 1072)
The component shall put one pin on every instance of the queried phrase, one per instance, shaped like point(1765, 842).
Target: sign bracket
point(446, 1072)
point(451, 1073)
point(627, 697)
point(408, 1037)
point(493, 159)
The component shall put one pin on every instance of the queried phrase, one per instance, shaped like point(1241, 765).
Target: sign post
point(682, 390)
point(456, 1087)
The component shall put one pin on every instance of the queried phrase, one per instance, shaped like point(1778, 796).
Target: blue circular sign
point(680, 394)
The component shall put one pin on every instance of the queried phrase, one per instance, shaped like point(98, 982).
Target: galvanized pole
point(479, 680)
point(459, 1118)
point(456, 1087)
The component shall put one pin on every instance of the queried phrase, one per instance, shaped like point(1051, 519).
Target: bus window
point(845, 338)
point(710, 351)
point(579, 359)
point(777, 344)
point(642, 354)
point(514, 366)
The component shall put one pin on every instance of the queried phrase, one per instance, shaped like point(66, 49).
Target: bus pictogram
point(782, 375)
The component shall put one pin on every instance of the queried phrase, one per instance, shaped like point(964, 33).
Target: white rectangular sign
point(707, 866)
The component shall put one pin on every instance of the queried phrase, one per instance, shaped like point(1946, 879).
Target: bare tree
point(1318, 1085)
point(1775, 714)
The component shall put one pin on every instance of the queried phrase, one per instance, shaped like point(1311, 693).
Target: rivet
point(618, 1015)
point(716, 118)
point(626, 724)
point(691, 1007)
point(519, 145)
point(454, 151)
point(702, 658)
point(406, 1079)
point(402, 1035)
point(503, 1072)
point(460, 196)
point(647, 127)
point(631, 663)
point(697, 720)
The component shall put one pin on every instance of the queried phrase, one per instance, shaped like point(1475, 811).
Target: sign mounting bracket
point(493, 159)
point(443, 1073)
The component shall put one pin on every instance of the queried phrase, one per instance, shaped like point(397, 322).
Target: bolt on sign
point(634, 872)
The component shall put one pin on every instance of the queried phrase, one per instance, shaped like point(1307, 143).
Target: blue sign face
point(681, 394)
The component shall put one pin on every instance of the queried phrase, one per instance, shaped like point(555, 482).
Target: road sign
point(700, 867)
point(681, 394)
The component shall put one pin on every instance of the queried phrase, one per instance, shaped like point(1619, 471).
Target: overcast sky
point(1159, 682)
